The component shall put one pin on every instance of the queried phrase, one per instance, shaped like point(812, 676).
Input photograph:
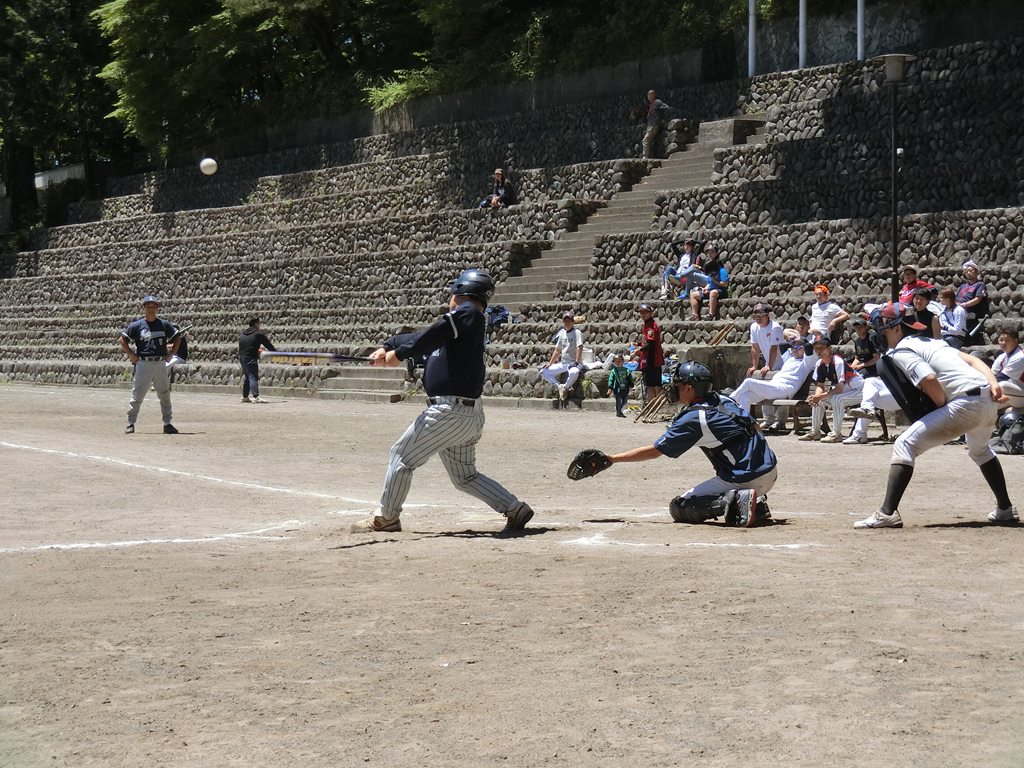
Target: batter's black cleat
point(517, 517)
point(169, 429)
point(130, 429)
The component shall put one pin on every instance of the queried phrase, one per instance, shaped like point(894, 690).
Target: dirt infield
point(195, 600)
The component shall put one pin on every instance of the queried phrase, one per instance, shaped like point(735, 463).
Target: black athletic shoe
point(130, 429)
point(169, 429)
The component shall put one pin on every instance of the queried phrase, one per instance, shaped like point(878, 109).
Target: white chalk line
point(248, 535)
point(183, 473)
point(601, 539)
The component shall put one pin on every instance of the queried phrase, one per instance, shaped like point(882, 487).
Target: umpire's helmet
point(475, 283)
point(697, 375)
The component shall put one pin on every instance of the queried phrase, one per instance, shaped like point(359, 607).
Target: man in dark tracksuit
point(249, 344)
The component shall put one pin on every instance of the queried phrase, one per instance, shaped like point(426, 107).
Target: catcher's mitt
point(588, 463)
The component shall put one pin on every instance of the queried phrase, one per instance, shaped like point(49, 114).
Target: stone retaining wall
point(543, 222)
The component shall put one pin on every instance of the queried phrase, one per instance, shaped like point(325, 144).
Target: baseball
point(208, 166)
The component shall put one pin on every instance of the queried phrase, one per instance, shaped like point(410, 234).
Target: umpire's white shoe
point(881, 520)
point(377, 524)
point(1008, 515)
point(851, 440)
point(517, 517)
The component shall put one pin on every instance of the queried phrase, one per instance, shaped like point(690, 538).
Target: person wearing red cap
point(946, 393)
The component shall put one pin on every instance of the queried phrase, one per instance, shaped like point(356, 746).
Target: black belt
point(152, 359)
point(976, 392)
point(467, 401)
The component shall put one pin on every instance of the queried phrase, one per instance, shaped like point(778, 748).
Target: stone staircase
point(363, 383)
point(570, 256)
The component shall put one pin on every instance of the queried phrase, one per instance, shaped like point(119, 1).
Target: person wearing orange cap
point(827, 317)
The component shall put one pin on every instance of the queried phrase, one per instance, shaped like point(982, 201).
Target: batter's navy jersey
point(738, 453)
point(150, 337)
point(455, 345)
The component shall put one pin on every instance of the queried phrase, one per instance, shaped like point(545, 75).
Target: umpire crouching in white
point(453, 422)
point(156, 342)
point(946, 393)
point(745, 467)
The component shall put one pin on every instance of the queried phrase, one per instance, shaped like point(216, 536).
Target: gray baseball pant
point(452, 431)
point(147, 373)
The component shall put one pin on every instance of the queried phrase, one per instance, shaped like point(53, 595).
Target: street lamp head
point(896, 66)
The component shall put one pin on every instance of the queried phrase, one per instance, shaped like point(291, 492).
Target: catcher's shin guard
point(699, 509)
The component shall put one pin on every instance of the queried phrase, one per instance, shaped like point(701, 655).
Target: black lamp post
point(895, 71)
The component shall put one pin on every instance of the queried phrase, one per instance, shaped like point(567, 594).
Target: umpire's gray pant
point(451, 430)
point(150, 372)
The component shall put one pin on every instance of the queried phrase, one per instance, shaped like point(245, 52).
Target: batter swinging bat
point(309, 358)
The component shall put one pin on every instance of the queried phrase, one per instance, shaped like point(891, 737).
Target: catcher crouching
point(745, 467)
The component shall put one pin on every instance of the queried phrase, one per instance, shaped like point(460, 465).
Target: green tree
point(52, 105)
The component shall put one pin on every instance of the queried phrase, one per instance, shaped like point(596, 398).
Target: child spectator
point(620, 381)
point(952, 319)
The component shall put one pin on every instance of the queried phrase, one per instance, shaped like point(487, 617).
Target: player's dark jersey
point(455, 349)
point(864, 350)
point(150, 337)
point(737, 450)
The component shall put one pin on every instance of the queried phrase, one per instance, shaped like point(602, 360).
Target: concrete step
point(362, 385)
point(361, 396)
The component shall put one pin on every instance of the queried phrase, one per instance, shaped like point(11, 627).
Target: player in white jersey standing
point(960, 397)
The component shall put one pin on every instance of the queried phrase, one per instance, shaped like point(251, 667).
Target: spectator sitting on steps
point(502, 195)
point(827, 317)
point(566, 357)
point(675, 275)
point(715, 284)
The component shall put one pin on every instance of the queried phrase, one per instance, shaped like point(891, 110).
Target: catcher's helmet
point(696, 375)
point(475, 283)
point(890, 315)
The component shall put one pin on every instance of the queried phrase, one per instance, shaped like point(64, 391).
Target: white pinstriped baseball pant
point(452, 431)
point(150, 373)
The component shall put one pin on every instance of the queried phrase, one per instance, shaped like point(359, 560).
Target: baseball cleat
point(862, 413)
point(851, 440)
point(1008, 515)
point(517, 517)
point(833, 438)
point(130, 429)
point(170, 430)
point(377, 524)
point(746, 502)
point(810, 436)
point(260, 400)
point(881, 520)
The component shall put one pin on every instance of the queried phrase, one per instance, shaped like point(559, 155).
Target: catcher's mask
point(697, 375)
point(476, 283)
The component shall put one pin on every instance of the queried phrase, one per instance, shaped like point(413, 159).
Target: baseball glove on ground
point(588, 463)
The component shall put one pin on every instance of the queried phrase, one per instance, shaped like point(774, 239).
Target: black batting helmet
point(475, 283)
point(697, 375)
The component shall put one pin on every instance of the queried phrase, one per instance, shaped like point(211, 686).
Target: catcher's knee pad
point(698, 509)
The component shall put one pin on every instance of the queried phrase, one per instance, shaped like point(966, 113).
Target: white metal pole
point(860, 30)
point(803, 34)
point(751, 38)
